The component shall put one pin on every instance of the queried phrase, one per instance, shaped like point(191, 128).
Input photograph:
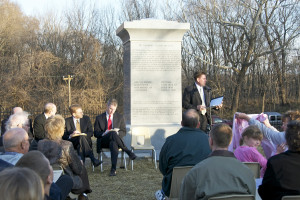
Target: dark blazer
point(100, 125)
point(281, 177)
point(3, 124)
point(85, 126)
point(39, 127)
point(191, 98)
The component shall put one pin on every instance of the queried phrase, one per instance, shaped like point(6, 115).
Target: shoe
point(132, 156)
point(82, 196)
point(159, 195)
point(112, 172)
point(96, 162)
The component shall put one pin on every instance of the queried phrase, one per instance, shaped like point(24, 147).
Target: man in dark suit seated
point(40, 120)
point(109, 129)
point(79, 131)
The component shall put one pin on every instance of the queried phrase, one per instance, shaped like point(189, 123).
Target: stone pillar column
point(152, 76)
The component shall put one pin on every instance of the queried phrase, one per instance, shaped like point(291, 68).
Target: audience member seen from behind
point(36, 161)
point(16, 144)
point(69, 160)
point(282, 174)
point(40, 120)
point(3, 122)
point(247, 151)
point(21, 183)
point(18, 120)
point(187, 147)
point(220, 173)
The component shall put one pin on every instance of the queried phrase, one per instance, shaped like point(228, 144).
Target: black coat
point(85, 126)
point(100, 125)
point(39, 127)
point(282, 176)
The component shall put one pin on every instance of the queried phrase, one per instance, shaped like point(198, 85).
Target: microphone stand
point(210, 119)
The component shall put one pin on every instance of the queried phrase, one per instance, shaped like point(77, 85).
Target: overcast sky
point(41, 7)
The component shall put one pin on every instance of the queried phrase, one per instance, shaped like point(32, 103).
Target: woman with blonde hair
point(21, 183)
point(68, 158)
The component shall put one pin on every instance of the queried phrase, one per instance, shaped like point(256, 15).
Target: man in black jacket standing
point(197, 96)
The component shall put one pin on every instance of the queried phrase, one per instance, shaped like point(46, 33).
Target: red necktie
point(109, 124)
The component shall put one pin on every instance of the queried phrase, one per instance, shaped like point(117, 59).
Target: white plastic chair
point(140, 140)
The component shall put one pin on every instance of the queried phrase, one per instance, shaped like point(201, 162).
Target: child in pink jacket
point(247, 152)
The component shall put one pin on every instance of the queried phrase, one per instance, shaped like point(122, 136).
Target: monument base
point(158, 134)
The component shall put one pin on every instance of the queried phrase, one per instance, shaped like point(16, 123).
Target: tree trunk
point(237, 90)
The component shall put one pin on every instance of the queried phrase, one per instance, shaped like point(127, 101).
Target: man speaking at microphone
point(197, 96)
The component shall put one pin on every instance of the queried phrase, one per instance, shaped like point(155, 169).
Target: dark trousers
point(113, 141)
point(85, 183)
point(83, 145)
point(203, 122)
point(61, 188)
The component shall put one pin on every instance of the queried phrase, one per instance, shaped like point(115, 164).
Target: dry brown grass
point(138, 184)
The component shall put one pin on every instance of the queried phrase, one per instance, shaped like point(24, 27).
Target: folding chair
point(177, 176)
point(233, 197)
point(255, 168)
point(100, 157)
point(295, 197)
point(91, 164)
point(100, 152)
point(140, 140)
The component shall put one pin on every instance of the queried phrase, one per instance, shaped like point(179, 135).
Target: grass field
point(128, 185)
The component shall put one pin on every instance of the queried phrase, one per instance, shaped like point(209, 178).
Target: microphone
point(207, 88)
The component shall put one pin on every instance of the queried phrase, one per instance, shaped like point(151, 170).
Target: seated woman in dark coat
point(68, 159)
point(282, 174)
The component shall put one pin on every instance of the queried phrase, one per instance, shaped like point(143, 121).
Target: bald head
point(16, 140)
point(50, 109)
point(190, 118)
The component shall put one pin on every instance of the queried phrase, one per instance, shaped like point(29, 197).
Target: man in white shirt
point(197, 96)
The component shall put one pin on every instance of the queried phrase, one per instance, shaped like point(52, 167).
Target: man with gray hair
point(18, 120)
point(15, 110)
point(40, 120)
point(16, 144)
point(187, 147)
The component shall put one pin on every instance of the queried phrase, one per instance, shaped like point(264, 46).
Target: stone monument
point(152, 76)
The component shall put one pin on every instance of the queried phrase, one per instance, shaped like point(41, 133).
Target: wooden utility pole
point(69, 81)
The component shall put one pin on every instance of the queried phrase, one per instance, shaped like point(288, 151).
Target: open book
point(114, 129)
point(216, 101)
point(79, 134)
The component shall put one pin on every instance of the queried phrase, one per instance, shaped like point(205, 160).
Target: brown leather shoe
point(83, 196)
